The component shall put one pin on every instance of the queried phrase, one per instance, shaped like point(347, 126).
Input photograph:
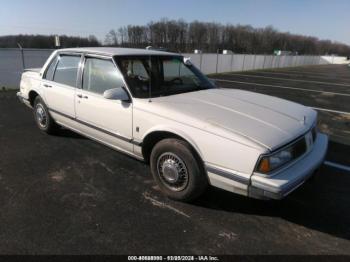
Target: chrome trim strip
point(97, 53)
point(130, 140)
point(104, 143)
point(228, 175)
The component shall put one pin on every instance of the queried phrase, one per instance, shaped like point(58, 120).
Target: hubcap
point(41, 115)
point(172, 171)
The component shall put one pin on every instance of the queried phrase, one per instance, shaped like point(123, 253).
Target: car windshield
point(155, 76)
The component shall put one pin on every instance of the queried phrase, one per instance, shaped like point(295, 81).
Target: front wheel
point(177, 170)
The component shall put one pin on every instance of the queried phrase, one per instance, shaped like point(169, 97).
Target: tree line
point(180, 36)
point(46, 41)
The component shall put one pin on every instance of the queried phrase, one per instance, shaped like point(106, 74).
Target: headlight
point(269, 163)
point(275, 160)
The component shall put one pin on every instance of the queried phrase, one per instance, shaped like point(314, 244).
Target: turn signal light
point(264, 166)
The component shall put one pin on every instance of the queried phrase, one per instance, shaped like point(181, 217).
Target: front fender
point(177, 132)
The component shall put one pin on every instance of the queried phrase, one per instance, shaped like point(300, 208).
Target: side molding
point(130, 140)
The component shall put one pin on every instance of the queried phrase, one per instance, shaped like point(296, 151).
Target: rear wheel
point(42, 117)
point(177, 170)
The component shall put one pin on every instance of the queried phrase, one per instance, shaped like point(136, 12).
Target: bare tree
point(198, 35)
point(123, 35)
point(46, 41)
point(111, 38)
point(178, 35)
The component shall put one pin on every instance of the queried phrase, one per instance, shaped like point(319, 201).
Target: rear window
point(51, 70)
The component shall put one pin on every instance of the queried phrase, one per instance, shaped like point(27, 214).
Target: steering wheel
point(142, 78)
point(177, 80)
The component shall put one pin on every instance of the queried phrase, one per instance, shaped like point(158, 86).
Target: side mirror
point(187, 61)
point(116, 94)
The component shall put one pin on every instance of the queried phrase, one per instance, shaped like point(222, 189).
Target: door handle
point(81, 96)
point(48, 86)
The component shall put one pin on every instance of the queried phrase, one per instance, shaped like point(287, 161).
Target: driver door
point(107, 120)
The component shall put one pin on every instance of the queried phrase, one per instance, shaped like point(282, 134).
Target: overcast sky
point(326, 19)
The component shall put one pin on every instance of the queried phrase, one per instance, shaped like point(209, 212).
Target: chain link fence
point(14, 61)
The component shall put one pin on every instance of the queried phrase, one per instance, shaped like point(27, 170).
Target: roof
point(112, 51)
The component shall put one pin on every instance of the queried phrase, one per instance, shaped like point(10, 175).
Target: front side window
point(67, 70)
point(100, 75)
point(136, 72)
point(160, 75)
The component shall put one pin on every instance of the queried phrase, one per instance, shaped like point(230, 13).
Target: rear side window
point(67, 70)
point(100, 75)
point(51, 70)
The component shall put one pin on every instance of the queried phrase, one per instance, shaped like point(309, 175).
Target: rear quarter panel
point(30, 81)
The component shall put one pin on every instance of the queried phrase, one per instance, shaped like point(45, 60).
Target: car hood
point(238, 115)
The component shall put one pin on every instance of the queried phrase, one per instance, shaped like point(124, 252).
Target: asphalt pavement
point(66, 194)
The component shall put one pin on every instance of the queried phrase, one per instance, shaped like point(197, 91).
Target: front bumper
point(23, 99)
point(287, 180)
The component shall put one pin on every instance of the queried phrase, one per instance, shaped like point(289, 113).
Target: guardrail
point(13, 61)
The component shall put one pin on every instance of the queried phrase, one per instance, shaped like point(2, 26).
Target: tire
point(43, 118)
point(177, 170)
point(313, 178)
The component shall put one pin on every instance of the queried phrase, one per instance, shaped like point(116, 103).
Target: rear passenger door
point(59, 83)
point(105, 119)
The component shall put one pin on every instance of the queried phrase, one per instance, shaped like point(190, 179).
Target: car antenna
point(150, 81)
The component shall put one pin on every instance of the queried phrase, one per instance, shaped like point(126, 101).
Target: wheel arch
point(31, 96)
point(154, 136)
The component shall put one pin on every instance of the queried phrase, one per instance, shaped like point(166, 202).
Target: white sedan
point(158, 107)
